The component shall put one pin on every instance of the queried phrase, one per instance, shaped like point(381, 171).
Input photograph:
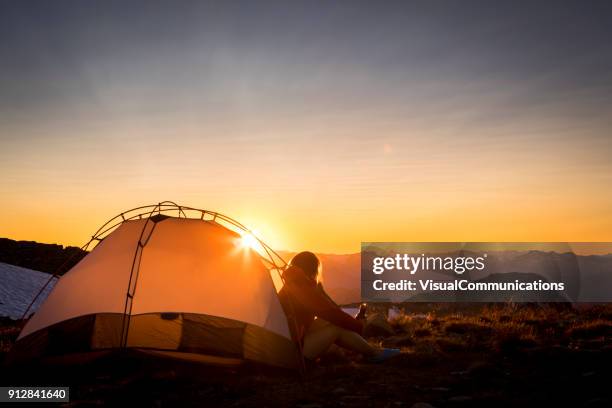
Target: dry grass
point(590, 330)
point(452, 328)
point(503, 328)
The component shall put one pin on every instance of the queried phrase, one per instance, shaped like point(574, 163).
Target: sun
point(248, 241)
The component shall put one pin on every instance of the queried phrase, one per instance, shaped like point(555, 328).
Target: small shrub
point(468, 328)
point(422, 332)
point(591, 330)
point(514, 340)
point(451, 345)
point(504, 318)
point(399, 341)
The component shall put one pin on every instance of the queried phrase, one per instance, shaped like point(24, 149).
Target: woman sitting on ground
point(316, 320)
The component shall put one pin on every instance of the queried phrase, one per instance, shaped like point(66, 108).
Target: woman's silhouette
point(319, 321)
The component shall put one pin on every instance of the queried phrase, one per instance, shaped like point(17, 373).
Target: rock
point(597, 403)
point(422, 405)
point(355, 398)
point(460, 398)
point(482, 369)
point(377, 326)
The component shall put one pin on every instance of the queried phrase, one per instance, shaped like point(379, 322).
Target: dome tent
point(168, 280)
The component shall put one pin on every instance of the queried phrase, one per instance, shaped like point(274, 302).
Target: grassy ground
point(453, 356)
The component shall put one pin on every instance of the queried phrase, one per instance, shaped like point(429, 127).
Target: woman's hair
point(309, 263)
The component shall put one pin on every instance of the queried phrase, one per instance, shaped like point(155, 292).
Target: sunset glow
point(436, 126)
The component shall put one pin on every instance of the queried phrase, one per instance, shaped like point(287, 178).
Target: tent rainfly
point(179, 286)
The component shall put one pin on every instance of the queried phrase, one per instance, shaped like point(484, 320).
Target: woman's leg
point(353, 341)
point(322, 335)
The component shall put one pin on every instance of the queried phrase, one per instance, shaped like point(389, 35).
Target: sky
point(318, 124)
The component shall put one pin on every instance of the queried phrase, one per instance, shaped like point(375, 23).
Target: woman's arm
point(362, 308)
point(321, 305)
point(320, 287)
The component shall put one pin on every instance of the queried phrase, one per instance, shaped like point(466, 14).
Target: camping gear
point(167, 280)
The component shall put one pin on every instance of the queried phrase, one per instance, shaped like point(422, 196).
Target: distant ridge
point(40, 257)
